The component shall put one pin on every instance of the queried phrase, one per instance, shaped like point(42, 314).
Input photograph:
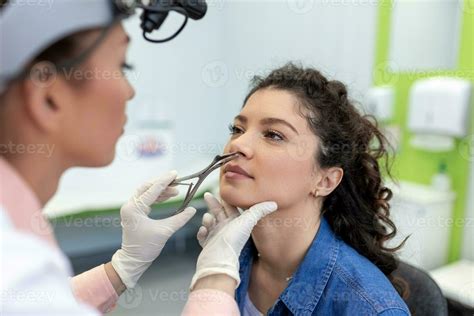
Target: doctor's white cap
point(29, 27)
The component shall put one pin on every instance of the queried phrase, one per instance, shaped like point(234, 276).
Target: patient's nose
point(242, 145)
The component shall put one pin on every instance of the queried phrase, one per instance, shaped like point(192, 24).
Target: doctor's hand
point(143, 238)
point(223, 235)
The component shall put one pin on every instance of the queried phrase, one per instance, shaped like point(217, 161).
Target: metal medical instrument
point(218, 162)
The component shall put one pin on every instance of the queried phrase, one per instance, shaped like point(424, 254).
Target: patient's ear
point(327, 181)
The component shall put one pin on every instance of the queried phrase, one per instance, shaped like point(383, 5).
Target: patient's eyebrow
point(267, 121)
point(274, 120)
point(241, 118)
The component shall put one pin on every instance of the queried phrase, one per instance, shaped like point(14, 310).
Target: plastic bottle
point(441, 180)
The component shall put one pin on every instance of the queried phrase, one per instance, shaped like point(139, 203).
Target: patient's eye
point(234, 129)
point(274, 135)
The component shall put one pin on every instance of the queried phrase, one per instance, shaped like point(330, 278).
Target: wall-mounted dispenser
point(438, 112)
point(379, 102)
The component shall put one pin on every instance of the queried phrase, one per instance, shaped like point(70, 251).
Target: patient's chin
point(234, 198)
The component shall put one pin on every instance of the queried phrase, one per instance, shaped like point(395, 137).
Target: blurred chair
point(423, 296)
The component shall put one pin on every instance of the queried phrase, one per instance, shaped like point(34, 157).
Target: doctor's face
point(277, 148)
point(97, 93)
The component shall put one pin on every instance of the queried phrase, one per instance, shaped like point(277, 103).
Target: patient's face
point(277, 152)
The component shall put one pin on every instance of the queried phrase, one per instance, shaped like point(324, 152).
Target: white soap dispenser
point(439, 112)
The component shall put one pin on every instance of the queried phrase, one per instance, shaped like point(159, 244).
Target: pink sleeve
point(93, 288)
point(210, 302)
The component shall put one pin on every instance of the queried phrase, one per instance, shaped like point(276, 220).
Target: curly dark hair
point(358, 210)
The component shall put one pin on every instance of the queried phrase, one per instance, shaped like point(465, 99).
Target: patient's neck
point(283, 238)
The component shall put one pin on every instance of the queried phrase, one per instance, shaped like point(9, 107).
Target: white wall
point(260, 35)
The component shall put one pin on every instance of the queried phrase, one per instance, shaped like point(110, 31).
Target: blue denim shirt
point(332, 279)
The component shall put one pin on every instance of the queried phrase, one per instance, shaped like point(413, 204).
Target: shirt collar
point(307, 285)
point(22, 205)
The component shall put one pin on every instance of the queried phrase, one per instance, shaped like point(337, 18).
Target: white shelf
point(456, 281)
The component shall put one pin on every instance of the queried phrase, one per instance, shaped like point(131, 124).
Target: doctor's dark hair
point(358, 210)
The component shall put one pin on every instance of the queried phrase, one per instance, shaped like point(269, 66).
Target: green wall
point(416, 165)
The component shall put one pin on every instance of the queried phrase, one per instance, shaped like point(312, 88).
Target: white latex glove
point(143, 238)
point(223, 236)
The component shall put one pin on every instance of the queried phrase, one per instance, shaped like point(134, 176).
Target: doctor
point(62, 102)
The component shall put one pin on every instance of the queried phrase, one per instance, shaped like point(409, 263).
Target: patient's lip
point(236, 169)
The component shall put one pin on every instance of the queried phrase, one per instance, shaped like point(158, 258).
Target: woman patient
point(303, 145)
